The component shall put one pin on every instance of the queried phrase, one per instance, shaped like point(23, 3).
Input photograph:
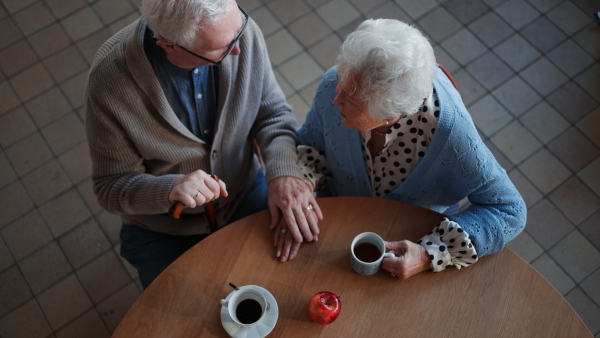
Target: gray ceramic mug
point(367, 253)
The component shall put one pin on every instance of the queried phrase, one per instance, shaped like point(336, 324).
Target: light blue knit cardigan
point(457, 164)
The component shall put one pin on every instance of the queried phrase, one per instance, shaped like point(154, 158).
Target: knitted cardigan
point(456, 164)
point(139, 147)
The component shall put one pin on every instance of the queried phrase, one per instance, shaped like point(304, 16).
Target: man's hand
point(411, 259)
point(196, 189)
point(289, 201)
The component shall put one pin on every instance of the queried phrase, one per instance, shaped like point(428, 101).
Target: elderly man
point(182, 93)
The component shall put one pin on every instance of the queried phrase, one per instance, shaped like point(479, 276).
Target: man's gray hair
point(395, 64)
point(177, 20)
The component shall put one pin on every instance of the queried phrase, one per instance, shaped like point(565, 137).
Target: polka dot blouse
point(406, 143)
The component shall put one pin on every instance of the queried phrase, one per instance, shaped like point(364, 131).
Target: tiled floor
point(528, 70)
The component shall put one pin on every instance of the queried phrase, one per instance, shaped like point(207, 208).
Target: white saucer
point(260, 329)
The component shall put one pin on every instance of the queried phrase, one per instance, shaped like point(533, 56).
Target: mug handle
point(388, 254)
point(224, 302)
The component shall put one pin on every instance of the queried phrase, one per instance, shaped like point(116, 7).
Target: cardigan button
point(214, 154)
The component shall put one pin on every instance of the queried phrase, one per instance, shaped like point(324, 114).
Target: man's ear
point(165, 45)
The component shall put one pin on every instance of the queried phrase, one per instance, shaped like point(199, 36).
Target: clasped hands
point(196, 189)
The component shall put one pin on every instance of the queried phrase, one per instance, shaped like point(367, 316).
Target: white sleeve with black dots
point(314, 165)
point(449, 245)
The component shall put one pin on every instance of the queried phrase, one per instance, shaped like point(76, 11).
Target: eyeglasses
point(231, 46)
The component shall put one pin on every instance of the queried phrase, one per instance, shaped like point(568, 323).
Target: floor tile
point(64, 212)
point(309, 29)
point(9, 98)
point(589, 126)
point(15, 126)
point(389, 11)
point(576, 255)
point(88, 46)
point(590, 286)
point(517, 52)
point(26, 322)
point(48, 107)
point(338, 13)
point(7, 173)
point(64, 301)
point(344, 31)
point(464, 46)
point(14, 6)
point(490, 71)
point(49, 40)
point(416, 9)
point(62, 8)
point(544, 76)
point(45, 267)
point(516, 142)
point(301, 70)
point(81, 23)
point(6, 258)
point(546, 224)
point(74, 89)
point(575, 200)
point(526, 247)
point(88, 325)
point(491, 29)
point(586, 38)
point(250, 5)
point(113, 309)
point(111, 225)
point(17, 57)
point(14, 202)
point(282, 46)
point(572, 101)
point(312, 3)
point(586, 308)
point(84, 243)
point(544, 5)
point(64, 133)
point(326, 51)
point(589, 80)
point(570, 58)
point(489, 115)
point(574, 149)
point(33, 18)
point(300, 108)
point(103, 276)
point(466, 10)
point(287, 89)
point(545, 171)
point(9, 32)
point(438, 24)
point(365, 6)
point(516, 95)
point(86, 191)
point(267, 22)
point(29, 153)
point(544, 122)
point(14, 290)
point(531, 195)
point(543, 34)
point(26, 235)
point(77, 162)
point(517, 13)
point(46, 182)
point(590, 229)
point(308, 93)
point(111, 10)
point(569, 18)
point(554, 274)
point(590, 176)
point(65, 64)
point(443, 58)
point(31, 82)
point(288, 10)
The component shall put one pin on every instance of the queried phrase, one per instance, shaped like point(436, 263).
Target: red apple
point(324, 307)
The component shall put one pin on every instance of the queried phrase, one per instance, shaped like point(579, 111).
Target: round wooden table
point(500, 296)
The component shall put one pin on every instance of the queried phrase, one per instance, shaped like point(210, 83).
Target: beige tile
point(464, 46)
point(569, 18)
point(14, 126)
point(45, 267)
point(586, 308)
point(16, 58)
point(65, 64)
point(81, 23)
point(525, 246)
point(64, 302)
point(9, 98)
point(309, 29)
point(576, 255)
point(111, 225)
point(490, 71)
point(49, 40)
point(74, 89)
point(25, 322)
point(48, 107)
point(575, 200)
point(113, 309)
point(7, 173)
point(288, 10)
point(504, 162)
point(103, 276)
point(308, 93)
point(90, 45)
point(26, 235)
point(124, 22)
point(62, 8)
point(250, 5)
point(437, 24)
point(388, 10)
point(14, 291)
point(267, 22)
point(590, 80)
point(546, 224)
point(282, 46)
point(416, 8)
point(283, 83)
point(516, 142)
point(443, 58)
point(84, 243)
point(301, 70)
point(6, 258)
point(365, 6)
point(572, 101)
point(517, 13)
point(33, 18)
point(28, 153)
point(300, 108)
point(574, 149)
point(544, 122)
point(491, 29)
point(517, 52)
point(112, 10)
point(77, 163)
point(64, 213)
point(46, 182)
point(89, 325)
point(589, 126)
point(590, 176)
point(531, 195)
point(14, 202)
point(545, 171)
point(489, 115)
point(517, 95)
point(326, 51)
point(64, 133)
point(9, 32)
point(554, 274)
point(338, 13)
point(470, 90)
point(14, 6)
point(86, 191)
point(31, 82)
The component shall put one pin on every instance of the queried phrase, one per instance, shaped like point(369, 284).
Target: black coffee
point(248, 311)
point(367, 252)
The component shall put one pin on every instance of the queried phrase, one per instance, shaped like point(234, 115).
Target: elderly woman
point(387, 122)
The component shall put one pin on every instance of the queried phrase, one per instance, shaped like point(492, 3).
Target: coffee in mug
point(246, 306)
point(248, 311)
point(367, 253)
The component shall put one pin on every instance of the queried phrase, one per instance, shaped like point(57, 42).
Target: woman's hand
point(287, 247)
point(411, 258)
point(196, 189)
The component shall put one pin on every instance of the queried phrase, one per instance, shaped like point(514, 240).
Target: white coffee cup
point(242, 306)
point(367, 253)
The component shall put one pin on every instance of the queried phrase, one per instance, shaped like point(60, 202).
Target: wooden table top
point(499, 296)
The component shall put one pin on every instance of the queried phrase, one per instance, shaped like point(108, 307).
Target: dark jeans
point(151, 252)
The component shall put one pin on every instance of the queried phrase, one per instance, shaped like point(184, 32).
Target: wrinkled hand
point(196, 189)
point(411, 258)
point(288, 199)
point(287, 247)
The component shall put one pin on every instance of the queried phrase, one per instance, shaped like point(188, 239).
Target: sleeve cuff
point(449, 245)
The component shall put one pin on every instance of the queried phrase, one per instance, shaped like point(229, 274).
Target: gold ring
point(309, 207)
point(283, 230)
point(393, 275)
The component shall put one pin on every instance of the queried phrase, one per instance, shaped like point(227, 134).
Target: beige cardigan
point(139, 147)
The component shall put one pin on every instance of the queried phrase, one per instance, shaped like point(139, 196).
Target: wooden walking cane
point(209, 208)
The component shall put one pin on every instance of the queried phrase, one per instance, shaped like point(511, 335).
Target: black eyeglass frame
point(231, 46)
